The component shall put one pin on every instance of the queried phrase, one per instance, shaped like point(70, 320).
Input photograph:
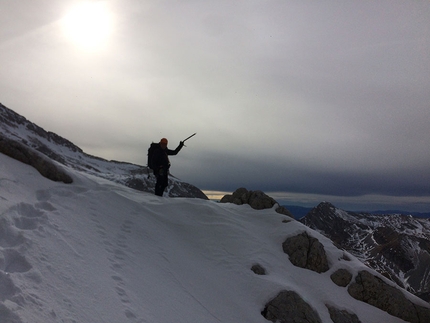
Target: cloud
point(307, 97)
point(227, 172)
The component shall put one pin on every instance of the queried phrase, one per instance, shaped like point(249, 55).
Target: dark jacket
point(160, 158)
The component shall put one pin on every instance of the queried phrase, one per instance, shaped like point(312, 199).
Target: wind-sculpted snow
point(97, 251)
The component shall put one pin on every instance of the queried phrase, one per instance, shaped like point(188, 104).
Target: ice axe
point(189, 137)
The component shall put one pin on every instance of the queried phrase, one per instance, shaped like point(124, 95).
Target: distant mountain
point(301, 211)
point(17, 129)
point(415, 214)
point(397, 246)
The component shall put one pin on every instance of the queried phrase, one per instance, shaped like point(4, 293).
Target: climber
point(160, 164)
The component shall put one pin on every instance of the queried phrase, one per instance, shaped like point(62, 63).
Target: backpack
point(152, 148)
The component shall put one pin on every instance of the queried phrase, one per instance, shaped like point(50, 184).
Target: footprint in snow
point(10, 236)
point(26, 217)
point(11, 261)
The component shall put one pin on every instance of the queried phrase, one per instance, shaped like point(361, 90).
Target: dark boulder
point(376, 292)
point(258, 269)
point(306, 252)
point(289, 307)
point(342, 316)
point(341, 277)
point(258, 200)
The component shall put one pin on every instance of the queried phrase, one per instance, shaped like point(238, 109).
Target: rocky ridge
point(46, 151)
point(395, 245)
point(307, 252)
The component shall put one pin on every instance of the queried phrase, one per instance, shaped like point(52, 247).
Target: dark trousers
point(161, 184)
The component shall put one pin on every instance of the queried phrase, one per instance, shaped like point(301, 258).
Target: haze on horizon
point(308, 100)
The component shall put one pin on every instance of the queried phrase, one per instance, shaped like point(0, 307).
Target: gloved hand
point(181, 144)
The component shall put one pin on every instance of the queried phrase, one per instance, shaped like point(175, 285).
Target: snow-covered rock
point(397, 246)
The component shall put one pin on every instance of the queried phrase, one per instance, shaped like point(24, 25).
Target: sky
point(308, 100)
point(97, 251)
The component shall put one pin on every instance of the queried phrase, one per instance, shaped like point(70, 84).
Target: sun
point(88, 25)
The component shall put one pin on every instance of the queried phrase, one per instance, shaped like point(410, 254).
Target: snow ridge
point(18, 128)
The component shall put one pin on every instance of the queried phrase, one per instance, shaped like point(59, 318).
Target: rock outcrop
point(374, 291)
point(342, 316)
point(24, 154)
point(289, 307)
point(341, 277)
point(306, 252)
point(258, 200)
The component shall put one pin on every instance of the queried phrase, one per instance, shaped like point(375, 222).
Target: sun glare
point(88, 25)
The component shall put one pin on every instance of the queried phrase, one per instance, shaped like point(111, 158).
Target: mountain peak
point(325, 206)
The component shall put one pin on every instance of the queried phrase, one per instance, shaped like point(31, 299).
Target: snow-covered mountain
point(17, 128)
point(97, 251)
point(398, 246)
point(94, 250)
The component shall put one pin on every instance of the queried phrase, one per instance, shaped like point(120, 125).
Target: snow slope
point(18, 128)
point(98, 252)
